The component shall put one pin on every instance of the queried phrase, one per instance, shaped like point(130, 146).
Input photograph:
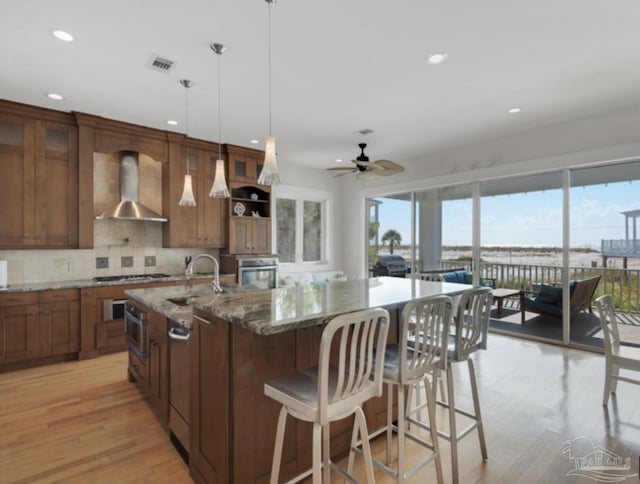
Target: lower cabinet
point(158, 362)
point(18, 333)
point(151, 372)
point(36, 325)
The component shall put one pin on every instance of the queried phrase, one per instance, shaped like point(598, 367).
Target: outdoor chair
point(548, 300)
point(617, 357)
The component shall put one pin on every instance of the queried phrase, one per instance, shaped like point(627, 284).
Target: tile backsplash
point(115, 240)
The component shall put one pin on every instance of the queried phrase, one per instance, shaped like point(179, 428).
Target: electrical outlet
point(126, 261)
point(149, 260)
point(102, 262)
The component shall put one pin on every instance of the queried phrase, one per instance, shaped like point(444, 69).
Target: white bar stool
point(422, 350)
point(471, 326)
point(324, 394)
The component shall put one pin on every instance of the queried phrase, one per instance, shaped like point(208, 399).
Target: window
point(300, 232)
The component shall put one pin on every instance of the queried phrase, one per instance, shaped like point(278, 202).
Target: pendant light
point(269, 174)
point(219, 188)
point(187, 199)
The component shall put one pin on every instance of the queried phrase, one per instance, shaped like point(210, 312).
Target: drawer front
point(110, 334)
point(138, 369)
point(18, 299)
point(59, 295)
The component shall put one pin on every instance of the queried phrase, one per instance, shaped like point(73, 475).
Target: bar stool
point(327, 393)
point(422, 350)
point(471, 326)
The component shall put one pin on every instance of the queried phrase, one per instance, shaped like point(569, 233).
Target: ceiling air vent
point(363, 132)
point(161, 64)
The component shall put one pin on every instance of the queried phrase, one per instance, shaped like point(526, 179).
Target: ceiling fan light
point(187, 199)
point(219, 188)
point(269, 174)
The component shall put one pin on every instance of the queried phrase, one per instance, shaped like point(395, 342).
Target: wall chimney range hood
point(130, 207)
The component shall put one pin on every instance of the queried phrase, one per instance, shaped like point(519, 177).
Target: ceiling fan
point(367, 170)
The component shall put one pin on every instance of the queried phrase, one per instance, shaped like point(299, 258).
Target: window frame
point(301, 195)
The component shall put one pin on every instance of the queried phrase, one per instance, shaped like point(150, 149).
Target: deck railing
point(622, 284)
point(621, 247)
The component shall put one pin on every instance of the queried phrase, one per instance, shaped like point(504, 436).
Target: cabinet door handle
point(15, 299)
point(179, 337)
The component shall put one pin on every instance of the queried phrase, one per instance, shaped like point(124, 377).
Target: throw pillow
point(549, 295)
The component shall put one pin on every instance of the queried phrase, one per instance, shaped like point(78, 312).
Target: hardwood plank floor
point(84, 422)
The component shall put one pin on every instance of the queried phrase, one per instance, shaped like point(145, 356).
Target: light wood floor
point(83, 422)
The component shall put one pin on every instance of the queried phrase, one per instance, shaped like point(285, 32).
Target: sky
point(529, 219)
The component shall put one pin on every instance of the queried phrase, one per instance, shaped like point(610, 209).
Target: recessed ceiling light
point(62, 35)
point(172, 122)
point(254, 141)
point(53, 95)
point(514, 110)
point(437, 58)
point(338, 160)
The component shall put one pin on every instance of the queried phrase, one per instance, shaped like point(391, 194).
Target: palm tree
point(393, 237)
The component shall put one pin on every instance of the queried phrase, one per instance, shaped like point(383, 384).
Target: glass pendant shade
point(187, 199)
point(269, 174)
point(219, 188)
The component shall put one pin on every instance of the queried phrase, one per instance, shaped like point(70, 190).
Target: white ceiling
point(338, 66)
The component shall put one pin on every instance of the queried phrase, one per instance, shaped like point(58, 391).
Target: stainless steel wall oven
point(258, 271)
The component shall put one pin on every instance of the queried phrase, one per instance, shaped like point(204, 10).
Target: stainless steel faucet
point(216, 271)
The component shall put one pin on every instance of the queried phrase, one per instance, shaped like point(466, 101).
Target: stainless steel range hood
point(130, 208)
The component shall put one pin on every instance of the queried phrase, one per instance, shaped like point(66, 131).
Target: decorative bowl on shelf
point(254, 196)
point(239, 209)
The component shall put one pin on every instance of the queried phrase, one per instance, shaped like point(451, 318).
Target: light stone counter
point(267, 312)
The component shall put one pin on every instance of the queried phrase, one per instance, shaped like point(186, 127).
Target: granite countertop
point(82, 283)
point(157, 298)
point(267, 312)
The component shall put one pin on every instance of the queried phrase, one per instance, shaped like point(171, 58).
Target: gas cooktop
point(128, 277)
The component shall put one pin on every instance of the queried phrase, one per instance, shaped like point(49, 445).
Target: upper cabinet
point(245, 164)
point(206, 224)
point(39, 182)
point(250, 203)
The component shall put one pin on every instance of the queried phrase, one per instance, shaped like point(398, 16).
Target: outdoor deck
point(585, 327)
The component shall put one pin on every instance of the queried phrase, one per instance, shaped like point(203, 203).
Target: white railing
point(620, 247)
point(622, 284)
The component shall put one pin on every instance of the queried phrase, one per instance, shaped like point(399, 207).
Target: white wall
point(608, 137)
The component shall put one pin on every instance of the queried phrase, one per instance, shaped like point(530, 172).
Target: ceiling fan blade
point(340, 168)
point(388, 167)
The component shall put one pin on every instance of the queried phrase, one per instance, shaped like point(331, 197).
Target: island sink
point(179, 301)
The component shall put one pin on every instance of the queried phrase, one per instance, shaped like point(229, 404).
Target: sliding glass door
point(605, 232)
point(549, 244)
point(521, 250)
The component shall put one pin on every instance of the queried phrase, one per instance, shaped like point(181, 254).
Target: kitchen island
point(239, 340)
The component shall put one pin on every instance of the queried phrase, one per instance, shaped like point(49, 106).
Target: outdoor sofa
point(548, 300)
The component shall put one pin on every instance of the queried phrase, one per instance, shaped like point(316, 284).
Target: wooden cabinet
point(249, 219)
point(245, 164)
point(39, 183)
point(18, 327)
point(109, 332)
point(36, 325)
point(204, 225)
point(58, 323)
point(209, 411)
point(249, 236)
point(158, 363)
